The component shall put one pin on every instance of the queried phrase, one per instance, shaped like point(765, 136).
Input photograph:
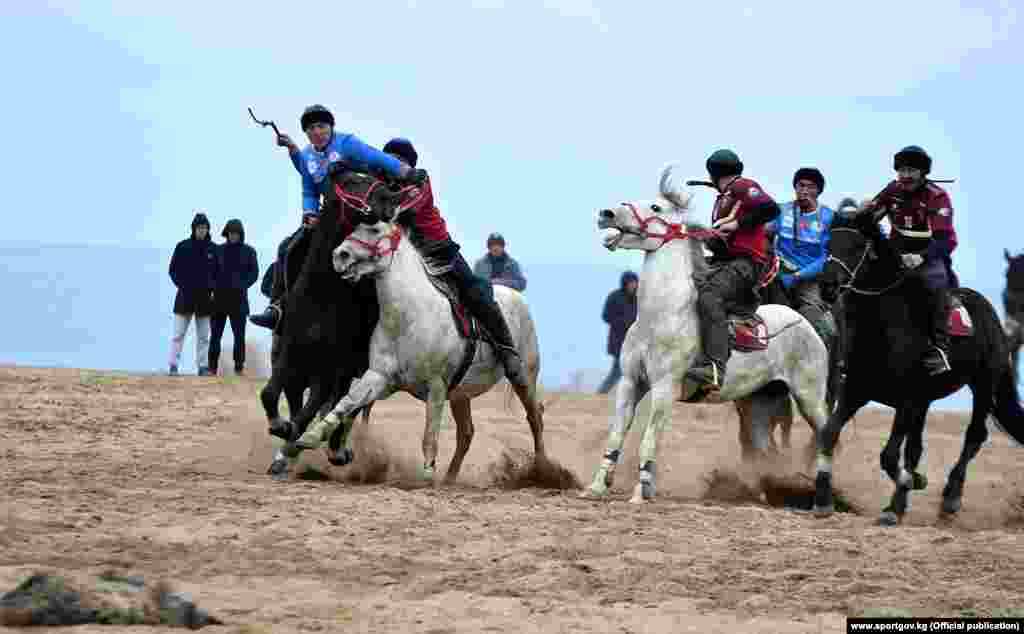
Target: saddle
point(748, 333)
point(959, 323)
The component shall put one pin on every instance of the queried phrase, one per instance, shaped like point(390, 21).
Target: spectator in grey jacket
point(498, 266)
point(619, 313)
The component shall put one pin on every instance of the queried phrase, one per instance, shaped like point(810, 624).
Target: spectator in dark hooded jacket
point(619, 313)
point(194, 271)
point(239, 269)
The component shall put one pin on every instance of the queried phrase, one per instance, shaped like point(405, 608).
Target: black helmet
point(316, 114)
point(724, 163)
point(403, 149)
point(812, 174)
point(912, 156)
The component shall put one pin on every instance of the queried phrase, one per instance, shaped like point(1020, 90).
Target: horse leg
point(285, 456)
point(977, 434)
point(436, 397)
point(913, 449)
point(534, 416)
point(661, 409)
point(270, 397)
point(906, 415)
point(827, 438)
point(371, 387)
point(463, 414)
point(627, 394)
point(744, 409)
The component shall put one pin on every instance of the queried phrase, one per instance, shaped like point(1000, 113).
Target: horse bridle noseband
point(856, 270)
point(673, 230)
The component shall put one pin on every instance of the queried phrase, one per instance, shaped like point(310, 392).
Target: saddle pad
point(466, 325)
point(749, 333)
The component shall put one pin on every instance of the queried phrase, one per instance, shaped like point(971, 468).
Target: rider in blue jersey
point(326, 146)
point(801, 233)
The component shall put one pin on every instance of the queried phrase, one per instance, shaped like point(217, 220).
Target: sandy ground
point(165, 477)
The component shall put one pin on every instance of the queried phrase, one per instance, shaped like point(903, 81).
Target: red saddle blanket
point(748, 333)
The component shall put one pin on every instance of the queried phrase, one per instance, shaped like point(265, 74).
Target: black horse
point(1013, 306)
point(324, 342)
point(883, 340)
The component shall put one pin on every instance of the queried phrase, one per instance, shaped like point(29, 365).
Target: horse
point(884, 340)
point(420, 347)
point(1013, 307)
point(325, 334)
point(661, 345)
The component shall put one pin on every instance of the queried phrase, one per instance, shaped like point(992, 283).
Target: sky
point(529, 116)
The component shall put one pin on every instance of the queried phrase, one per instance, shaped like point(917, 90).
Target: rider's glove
point(912, 260)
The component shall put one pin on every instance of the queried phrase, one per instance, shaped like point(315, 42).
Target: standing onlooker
point(498, 266)
point(619, 313)
point(238, 270)
point(194, 271)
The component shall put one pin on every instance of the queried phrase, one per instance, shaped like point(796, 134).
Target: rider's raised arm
point(353, 149)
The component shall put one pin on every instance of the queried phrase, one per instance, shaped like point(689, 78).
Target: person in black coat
point(193, 270)
point(238, 270)
point(619, 313)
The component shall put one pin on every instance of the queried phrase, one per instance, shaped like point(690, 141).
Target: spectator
point(619, 313)
point(194, 271)
point(498, 266)
point(238, 270)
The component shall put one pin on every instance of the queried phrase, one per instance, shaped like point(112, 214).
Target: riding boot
point(709, 371)
point(270, 317)
point(493, 321)
point(936, 359)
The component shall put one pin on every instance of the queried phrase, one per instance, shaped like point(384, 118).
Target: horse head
point(647, 225)
point(1014, 271)
point(364, 197)
point(368, 250)
point(854, 239)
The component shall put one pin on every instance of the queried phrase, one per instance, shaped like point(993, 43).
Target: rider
point(801, 241)
point(922, 234)
point(428, 233)
point(325, 147)
point(740, 212)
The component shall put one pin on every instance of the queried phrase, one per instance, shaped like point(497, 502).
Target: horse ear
point(673, 189)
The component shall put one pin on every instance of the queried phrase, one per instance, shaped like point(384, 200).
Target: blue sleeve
point(310, 197)
point(815, 268)
point(296, 158)
point(355, 150)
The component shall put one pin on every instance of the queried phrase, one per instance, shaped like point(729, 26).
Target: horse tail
point(995, 349)
point(1008, 411)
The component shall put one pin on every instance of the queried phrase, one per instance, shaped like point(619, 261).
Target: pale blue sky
point(121, 117)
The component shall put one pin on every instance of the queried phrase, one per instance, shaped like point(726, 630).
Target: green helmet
point(724, 163)
point(912, 156)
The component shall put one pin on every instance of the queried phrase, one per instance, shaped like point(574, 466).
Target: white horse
point(416, 348)
point(663, 342)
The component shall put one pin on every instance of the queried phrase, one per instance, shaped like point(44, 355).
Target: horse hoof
point(642, 493)
point(824, 511)
point(342, 457)
point(951, 506)
point(888, 518)
point(593, 493)
point(278, 470)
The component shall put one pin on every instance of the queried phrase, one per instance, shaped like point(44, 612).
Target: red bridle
point(673, 230)
point(392, 240)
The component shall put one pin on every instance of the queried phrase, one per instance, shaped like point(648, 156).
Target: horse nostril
point(607, 214)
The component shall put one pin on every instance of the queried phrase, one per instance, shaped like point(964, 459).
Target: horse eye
point(656, 209)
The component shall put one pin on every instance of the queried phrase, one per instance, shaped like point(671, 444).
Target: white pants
point(181, 323)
